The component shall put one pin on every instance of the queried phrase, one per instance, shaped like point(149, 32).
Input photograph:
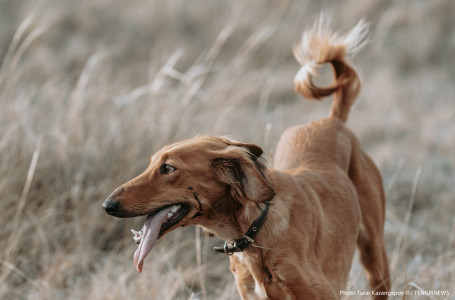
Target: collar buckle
point(238, 246)
point(241, 244)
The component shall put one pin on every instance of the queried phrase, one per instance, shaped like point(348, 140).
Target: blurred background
point(90, 89)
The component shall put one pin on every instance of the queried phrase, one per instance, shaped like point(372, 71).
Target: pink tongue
point(151, 230)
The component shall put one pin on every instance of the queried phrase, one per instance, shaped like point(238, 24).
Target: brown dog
point(291, 230)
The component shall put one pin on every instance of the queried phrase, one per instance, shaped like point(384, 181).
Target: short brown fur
point(326, 196)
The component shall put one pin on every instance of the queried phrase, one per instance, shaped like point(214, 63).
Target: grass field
point(90, 89)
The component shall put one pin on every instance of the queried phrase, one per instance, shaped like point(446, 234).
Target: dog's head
point(197, 181)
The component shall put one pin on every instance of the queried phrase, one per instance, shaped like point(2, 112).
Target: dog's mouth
point(156, 224)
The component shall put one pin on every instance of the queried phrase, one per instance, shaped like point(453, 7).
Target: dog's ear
point(244, 172)
point(252, 148)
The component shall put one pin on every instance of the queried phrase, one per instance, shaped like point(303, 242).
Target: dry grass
point(89, 89)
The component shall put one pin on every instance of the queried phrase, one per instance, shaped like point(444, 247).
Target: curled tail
point(319, 46)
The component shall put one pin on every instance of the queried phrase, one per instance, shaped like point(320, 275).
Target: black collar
point(242, 243)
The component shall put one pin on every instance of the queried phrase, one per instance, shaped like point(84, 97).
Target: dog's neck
point(232, 226)
point(252, 211)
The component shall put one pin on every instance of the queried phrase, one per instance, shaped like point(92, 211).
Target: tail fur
point(319, 46)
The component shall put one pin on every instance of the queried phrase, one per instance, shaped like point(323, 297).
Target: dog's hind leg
point(368, 183)
point(374, 258)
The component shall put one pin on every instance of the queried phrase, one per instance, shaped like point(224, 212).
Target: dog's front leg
point(304, 283)
point(244, 279)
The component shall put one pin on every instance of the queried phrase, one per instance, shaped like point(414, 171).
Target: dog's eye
point(166, 169)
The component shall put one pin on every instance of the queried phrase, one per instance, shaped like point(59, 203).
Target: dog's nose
point(111, 205)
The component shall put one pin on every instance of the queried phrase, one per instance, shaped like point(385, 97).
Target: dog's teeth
point(170, 215)
point(137, 236)
point(175, 208)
